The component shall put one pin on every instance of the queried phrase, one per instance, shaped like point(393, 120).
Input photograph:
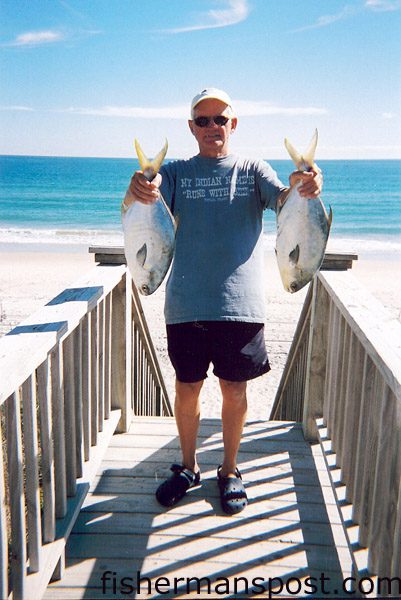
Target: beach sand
point(30, 276)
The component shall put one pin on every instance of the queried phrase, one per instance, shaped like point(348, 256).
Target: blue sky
point(85, 77)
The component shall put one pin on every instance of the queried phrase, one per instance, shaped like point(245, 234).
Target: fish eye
point(293, 286)
point(145, 289)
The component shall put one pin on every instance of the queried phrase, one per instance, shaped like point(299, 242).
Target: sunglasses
point(205, 121)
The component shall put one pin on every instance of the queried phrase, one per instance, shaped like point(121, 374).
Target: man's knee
point(233, 390)
point(188, 390)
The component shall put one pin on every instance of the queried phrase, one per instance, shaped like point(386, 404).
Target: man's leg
point(187, 475)
point(233, 419)
point(187, 412)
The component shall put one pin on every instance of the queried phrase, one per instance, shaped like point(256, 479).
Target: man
point(214, 306)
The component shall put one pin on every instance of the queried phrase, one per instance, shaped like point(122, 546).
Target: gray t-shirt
point(217, 272)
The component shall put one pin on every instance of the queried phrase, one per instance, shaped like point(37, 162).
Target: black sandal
point(176, 486)
point(232, 492)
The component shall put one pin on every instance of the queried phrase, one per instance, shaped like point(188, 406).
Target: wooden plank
point(290, 525)
point(26, 346)
point(118, 353)
point(352, 412)
point(46, 442)
point(300, 332)
point(69, 377)
point(148, 347)
point(58, 424)
point(37, 582)
point(315, 367)
point(86, 386)
point(31, 445)
point(94, 381)
point(380, 335)
point(78, 413)
point(3, 527)
point(343, 366)
point(362, 457)
point(367, 486)
point(385, 478)
point(16, 494)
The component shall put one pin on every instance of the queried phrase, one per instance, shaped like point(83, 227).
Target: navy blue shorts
point(236, 349)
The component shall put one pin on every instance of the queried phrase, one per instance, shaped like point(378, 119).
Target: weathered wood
point(366, 522)
point(46, 440)
point(94, 393)
point(352, 411)
point(70, 345)
point(383, 515)
point(338, 261)
point(86, 385)
point(78, 415)
point(69, 376)
point(298, 340)
point(17, 498)
point(58, 425)
point(28, 344)
point(362, 456)
point(31, 445)
point(37, 582)
point(3, 528)
point(315, 366)
point(118, 353)
point(290, 525)
point(380, 335)
point(145, 340)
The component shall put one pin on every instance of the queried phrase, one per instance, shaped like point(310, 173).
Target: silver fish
point(303, 228)
point(149, 233)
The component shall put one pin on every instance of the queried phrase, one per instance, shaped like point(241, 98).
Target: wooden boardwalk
point(290, 530)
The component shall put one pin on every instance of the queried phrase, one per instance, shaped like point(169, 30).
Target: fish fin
point(309, 156)
point(176, 221)
point(150, 167)
point(141, 255)
point(330, 218)
point(305, 161)
point(294, 255)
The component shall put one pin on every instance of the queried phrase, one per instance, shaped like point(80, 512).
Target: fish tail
point(295, 155)
point(150, 167)
point(309, 156)
point(305, 161)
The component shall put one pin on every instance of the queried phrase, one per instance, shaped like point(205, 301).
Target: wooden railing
point(70, 376)
point(343, 381)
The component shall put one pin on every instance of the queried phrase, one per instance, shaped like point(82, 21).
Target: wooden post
point(316, 362)
point(17, 499)
point(121, 354)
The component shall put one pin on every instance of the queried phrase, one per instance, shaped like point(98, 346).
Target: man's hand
point(312, 182)
point(142, 190)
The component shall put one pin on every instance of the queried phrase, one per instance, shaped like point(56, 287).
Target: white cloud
point(388, 115)
point(326, 20)
point(243, 109)
point(37, 38)
point(236, 11)
point(246, 108)
point(17, 108)
point(134, 112)
point(383, 5)
point(351, 10)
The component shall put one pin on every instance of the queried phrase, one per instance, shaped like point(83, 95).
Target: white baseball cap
point(211, 94)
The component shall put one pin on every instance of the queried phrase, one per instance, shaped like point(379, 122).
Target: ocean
point(76, 201)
